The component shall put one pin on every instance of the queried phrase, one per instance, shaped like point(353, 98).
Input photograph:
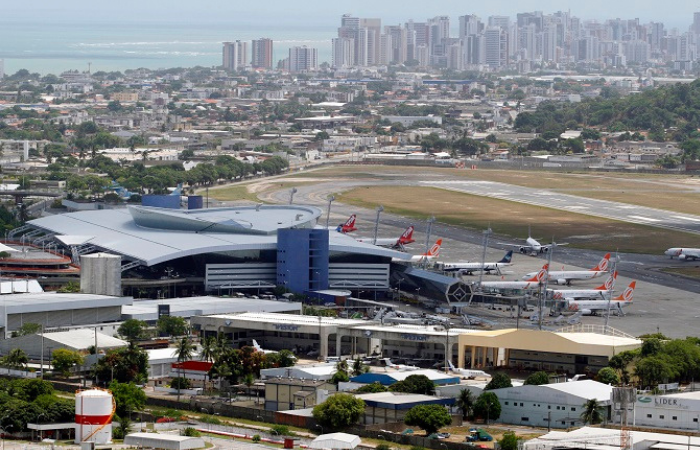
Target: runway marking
point(686, 218)
point(646, 219)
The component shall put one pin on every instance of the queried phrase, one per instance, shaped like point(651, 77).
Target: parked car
point(443, 435)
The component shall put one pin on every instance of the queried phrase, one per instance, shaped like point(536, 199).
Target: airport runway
point(571, 203)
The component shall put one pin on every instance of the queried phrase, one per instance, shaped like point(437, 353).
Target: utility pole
point(431, 221)
point(543, 292)
point(291, 195)
point(380, 208)
point(487, 235)
point(331, 199)
point(610, 292)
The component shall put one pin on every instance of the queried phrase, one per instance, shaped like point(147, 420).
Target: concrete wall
point(100, 273)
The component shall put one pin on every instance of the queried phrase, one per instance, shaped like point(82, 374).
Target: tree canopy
point(498, 380)
point(428, 417)
point(339, 411)
point(414, 384)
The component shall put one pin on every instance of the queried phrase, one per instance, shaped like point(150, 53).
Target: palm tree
point(183, 352)
point(592, 412)
point(16, 359)
point(209, 353)
point(465, 402)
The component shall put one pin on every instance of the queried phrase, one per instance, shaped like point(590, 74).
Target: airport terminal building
point(235, 248)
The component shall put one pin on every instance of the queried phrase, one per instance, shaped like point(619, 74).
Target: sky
point(301, 13)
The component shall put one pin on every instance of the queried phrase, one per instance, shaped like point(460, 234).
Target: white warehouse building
point(560, 404)
point(672, 411)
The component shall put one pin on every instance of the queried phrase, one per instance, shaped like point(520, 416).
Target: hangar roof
point(204, 306)
point(595, 344)
point(53, 301)
point(186, 233)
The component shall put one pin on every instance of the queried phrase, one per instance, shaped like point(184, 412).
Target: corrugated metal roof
point(115, 231)
point(83, 338)
point(205, 306)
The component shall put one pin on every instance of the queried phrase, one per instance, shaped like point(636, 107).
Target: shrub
point(190, 431)
point(256, 438)
point(282, 430)
point(180, 383)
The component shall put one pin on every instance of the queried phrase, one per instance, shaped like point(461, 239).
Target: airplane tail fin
point(609, 283)
point(435, 249)
point(541, 275)
point(257, 346)
point(628, 294)
point(351, 222)
point(603, 264)
point(407, 236)
point(507, 258)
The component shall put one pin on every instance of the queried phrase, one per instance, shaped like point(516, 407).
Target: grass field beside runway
point(692, 272)
point(672, 193)
point(512, 219)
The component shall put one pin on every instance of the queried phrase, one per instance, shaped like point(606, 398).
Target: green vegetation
point(128, 364)
point(128, 397)
point(487, 407)
point(653, 110)
point(25, 401)
point(371, 388)
point(465, 403)
point(428, 417)
point(233, 364)
point(132, 330)
point(27, 329)
point(339, 411)
point(414, 384)
point(190, 431)
point(592, 412)
point(499, 380)
point(172, 326)
point(63, 360)
point(537, 378)
point(660, 360)
point(509, 441)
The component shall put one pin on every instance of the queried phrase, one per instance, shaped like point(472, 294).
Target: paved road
point(580, 205)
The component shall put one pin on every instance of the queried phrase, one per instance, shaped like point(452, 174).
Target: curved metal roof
point(117, 232)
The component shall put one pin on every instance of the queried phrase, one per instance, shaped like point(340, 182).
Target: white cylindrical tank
point(93, 416)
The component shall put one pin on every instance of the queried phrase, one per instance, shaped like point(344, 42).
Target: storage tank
point(94, 409)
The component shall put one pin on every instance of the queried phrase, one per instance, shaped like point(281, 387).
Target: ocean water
point(54, 48)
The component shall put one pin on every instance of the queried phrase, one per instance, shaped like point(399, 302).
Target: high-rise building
point(303, 59)
point(495, 47)
point(235, 55)
point(261, 50)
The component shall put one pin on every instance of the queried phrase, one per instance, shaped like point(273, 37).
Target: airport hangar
point(239, 248)
point(577, 349)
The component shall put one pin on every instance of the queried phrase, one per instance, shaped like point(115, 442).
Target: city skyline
point(161, 42)
point(674, 14)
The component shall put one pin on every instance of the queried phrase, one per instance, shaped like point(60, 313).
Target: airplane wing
point(556, 244)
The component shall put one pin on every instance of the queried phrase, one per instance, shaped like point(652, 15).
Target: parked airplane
point(258, 348)
point(399, 367)
point(566, 276)
point(684, 254)
point(532, 283)
point(431, 255)
point(533, 247)
point(470, 267)
point(593, 307)
point(467, 373)
point(348, 226)
point(405, 239)
point(601, 292)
